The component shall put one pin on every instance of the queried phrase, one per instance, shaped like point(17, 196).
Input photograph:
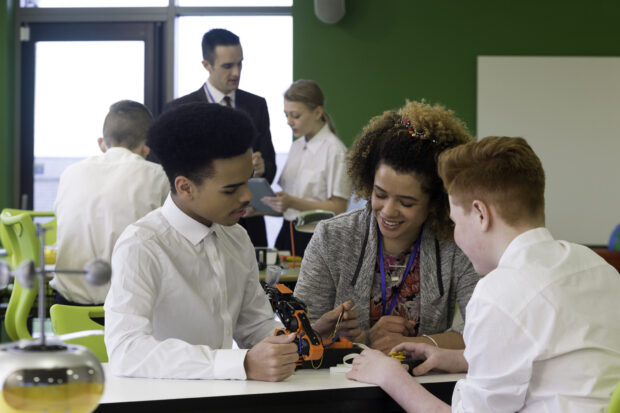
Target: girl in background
point(314, 176)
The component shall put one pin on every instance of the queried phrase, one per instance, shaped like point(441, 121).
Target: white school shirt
point(181, 292)
point(96, 199)
point(316, 170)
point(542, 331)
point(217, 96)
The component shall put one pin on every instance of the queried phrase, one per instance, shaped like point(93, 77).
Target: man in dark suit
point(223, 56)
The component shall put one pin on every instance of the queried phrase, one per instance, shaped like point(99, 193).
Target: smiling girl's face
point(400, 207)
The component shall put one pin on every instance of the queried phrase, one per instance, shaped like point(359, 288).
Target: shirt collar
point(314, 144)
point(521, 241)
point(219, 96)
point(187, 226)
point(118, 151)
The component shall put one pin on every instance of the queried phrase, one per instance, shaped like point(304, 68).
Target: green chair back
point(614, 403)
point(70, 319)
point(19, 236)
point(50, 234)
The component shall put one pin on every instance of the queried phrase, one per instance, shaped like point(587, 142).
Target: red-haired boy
point(542, 331)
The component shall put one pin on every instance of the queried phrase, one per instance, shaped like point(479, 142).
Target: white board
point(568, 109)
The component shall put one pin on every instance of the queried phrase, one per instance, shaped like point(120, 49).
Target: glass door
point(71, 74)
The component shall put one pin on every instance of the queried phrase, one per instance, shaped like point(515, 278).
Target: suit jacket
point(256, 108)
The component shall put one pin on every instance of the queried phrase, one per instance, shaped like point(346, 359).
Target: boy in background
point(185, 281)
point(542, 331)
point(99, 196)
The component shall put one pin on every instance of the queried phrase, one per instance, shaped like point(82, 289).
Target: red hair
point(500, 171)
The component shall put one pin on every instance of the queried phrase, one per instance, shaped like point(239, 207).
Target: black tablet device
point(260, 188)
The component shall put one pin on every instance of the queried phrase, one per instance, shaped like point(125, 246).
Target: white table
point(308, 390)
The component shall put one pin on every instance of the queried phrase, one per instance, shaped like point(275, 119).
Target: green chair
point(21, 243)
point(19, 238)
point(50, 234)
point(614, 403)
point(70, 319)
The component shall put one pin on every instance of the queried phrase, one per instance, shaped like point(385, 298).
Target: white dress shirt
point(542, 331)
point(215, 96)
point(97, 198)
point(181, 292)
point(316, 170)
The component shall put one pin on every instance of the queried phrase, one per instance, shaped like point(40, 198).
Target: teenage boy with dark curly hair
point(185, 281)
point(542, 331)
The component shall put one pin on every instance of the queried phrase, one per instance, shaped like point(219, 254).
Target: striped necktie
point(228, 101)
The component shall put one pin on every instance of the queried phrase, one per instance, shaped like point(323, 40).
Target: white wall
point(568, 109)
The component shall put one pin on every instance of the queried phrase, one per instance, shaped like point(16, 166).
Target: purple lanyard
point(382, 269)
point(212, 99)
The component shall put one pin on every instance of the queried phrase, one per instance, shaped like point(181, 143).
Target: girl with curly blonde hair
point(394, 259)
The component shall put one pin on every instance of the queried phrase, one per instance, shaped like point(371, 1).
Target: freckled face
point(468, 237)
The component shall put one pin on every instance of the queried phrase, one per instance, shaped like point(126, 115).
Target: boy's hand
point(374, 367)
point(450, 361)
point(348, 327)
point(272, 359)
point(259, 164)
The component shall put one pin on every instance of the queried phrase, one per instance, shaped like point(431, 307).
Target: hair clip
point(414, 132)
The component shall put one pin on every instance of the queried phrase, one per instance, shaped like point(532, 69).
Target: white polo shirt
point(316, 170)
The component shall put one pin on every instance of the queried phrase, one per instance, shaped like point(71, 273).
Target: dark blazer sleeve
point(256, 108)
point(194, 97)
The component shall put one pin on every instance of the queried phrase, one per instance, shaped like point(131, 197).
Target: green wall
point(7, 18)
point(383, 52)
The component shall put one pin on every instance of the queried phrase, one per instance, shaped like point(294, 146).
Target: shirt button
point(224, 296)
point(228, 331)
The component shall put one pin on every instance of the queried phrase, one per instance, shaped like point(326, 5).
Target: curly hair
point(188, 138)
point(409, 140)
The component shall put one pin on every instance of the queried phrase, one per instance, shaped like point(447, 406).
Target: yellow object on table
point(398, 355)
point(50, 256)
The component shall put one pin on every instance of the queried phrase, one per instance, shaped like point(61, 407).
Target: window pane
point(235, 3)
point(267, 43)
point(76, 82)
point(94, 3)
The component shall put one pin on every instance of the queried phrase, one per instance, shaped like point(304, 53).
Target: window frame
point(159, 61)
